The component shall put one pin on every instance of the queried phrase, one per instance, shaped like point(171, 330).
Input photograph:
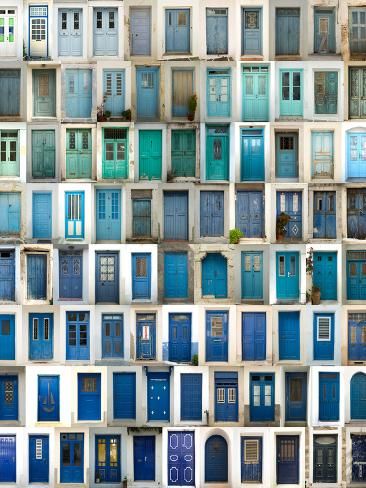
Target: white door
point(7, 32)
point(38, 27)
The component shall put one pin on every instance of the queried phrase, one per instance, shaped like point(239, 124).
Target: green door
point(78, 153)
point(183, 153)
point(150, 154)
point(9, 161)
point(326, 92)
point(115, 154)
point(43, 153)
point(217, 153)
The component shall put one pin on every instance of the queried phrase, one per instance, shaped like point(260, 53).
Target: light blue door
point(176, 216)
point(322, 154)
point(291, 98)
point(252, 275)
point(177, 30)
point(218, 92)
point(140, 31)
point(74, 215)
point(255, 101)
point(325, 274)
point(286, 155)
point(9, 213)
point(108, 215)
point(326, 92)
point(7, 275)
point(252, 160)
point(10, 87)
point(44, 93)
point(70, 32)
point(287, 275)
point(289, 336)
point(114, 91)
point(356, 154)
point(42, 215)
point(147, 93)
point(211, 213)
point(78, 93)
point(250, 213)
point(105, 31)
point(357, 24)
point(217, 30)
point(251, 31)
point(325, 215)
point(37, 276)
point(40, 336)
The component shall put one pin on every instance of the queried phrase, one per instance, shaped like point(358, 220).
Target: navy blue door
point(251, 459)
point(112, 336)
point(77, 335)
point(262, 397)
point(289, 335)
point(181, 459)
point(323, 336)
point(325, 274)
point(216, 336)
point(7, 337)
point(180, 337)
point(158, 397)
point(175, 275)
point(216, 460)
point(144, 458)
point(40, 336)
point(212, 213)
point(358, 396)
point(191, 396)
point(176, 215)
point(214, 275)
point(287, 447)
point(48, 398)
point(7, 458)
point(107, 277)
point(226, 396)
point(124, 395)
point(8, 397)
point(7, 275)
point(89, 396)
point(38, 459)
point(141, 276)
point(357, 336)
point(296, 396)
point(146, 336)
point(71, 275)
point(358, 457)
point(250, 213)
point(42, 215)
point(324, 215)
point(72, 458)
point(107, 458)
point(36, 276)
point(329, 396)
point(253, 336)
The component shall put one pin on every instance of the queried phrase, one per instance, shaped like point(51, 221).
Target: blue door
point(74, 215)
point(356, 275)
point(218, 92)
point(324, 31)
point(252, 155)
point(89, 396)
point(158, 397)
point(211, 213)
point(146, 336)
point(48, 399)
point(289, 335)
point(287, 155)
point(105, 31)
point(214, 275)
point(322, 154)
point(358, 396)
point(7, 337)
point(324, 215)
point(287, 31)
point(177, 31)
point(251, 459)
point(10, 82)
point(358, 457)
point(7, 458)
point(147, 93)
point(250, 213)
point(291, 92)
point(71, 275)
point(262, 397)
point(108, 215)
point(144, 458)
point(124, 396)
point(357, 336)
point(40, 336)
point(356, 154)
point(252, 275)
point(176, 215)
point(251, 31)
point(255, 88)
point(216, 460)
point(107, 277)
point(9, 213)
point(287, 275)
point(175, 275)
point(181, 458)
point(38, 459)
point(217, 153)
point(191, 396)
point(217, 335)
point(356, 215)
point(226, 396)
point(7, 275)
point(114, 89)
point(42, 215)
point(140, 31)
point(325, 274)
point(112, 336)
point(8, 397)
point(78, 93)
point(141, 276)
point(296, 397)
point(72, 458)
point(253, 336)
point(141, 216)
point(36, 276)
point(323, 337)
point(287, 465)
point(107, 458)
point(217, 30)
point(180, 337)
point(70, 30)
point(77, 335)
point(329, 396)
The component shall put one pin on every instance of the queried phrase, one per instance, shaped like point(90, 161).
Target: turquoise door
point(78, 153)
point(286, 155)
point(42, 215)
point(252, 275)
point(218, 92)
point(217, 153)
point(288, 275)
point(356, 160)
point(115, 153)
point(325, 274)
point(150, 154)
point(252, 155)
point(9, 153)
point(324, 31)
point(114, 91)
point(255, 102)
point(322, 154)
point(183, 143)
point(44, 93)
point(291, 92)
point(326, 92)
point(43, 154)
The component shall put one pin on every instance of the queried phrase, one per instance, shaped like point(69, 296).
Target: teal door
point(255, 103)
point(183, 153)
point(357, 93)
point(287, 31)
point(291, 94)
point(286, 155)
point(326, 92)
point(325, 274)
point(217, 153)
point(44, 93)
point(9, 159)
point(218, 92)
point(78, 153)
point(115, 153)
point(150, 154)
point(43, 153)
point(252, 155)
point(288, 277)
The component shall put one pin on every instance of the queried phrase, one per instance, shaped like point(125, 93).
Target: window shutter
point(324, 329)
point(251, 451)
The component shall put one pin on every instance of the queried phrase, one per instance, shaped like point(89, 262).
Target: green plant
point(235, 235)
point(315, 289)
point(282, 220)
point(192, 106)
point(195, 360)
point(126, 114)
point(310, 262)
point(107, 113)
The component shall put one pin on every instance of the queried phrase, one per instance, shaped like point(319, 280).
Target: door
point(7, 275)
point(357, 93)
point(287, 31)
point(254, 336)
point(38, 31)
point(70, 32)
point(71, 275)
point(105, 31)
point(289, 336)
point(146, 336)
point(7, 458)
point(77, 335)
point(328, 397)
point(356, 275)
point(8, 398)
point(183, 153)
point(37, 276)
point(262, 397)
point(8, 36)
point(251, 459)
point(147, 93)
point(44, 92)
point(7, 337)
point(42, 215)
point(40, 336)
point(250, 213)
point(180, 337)
point(140, 31)
point(72, 458)
point(38, 459)
point(358, 457)
point(325, 274)
point(214, 276)
point(175, 275)
point(356, 155)
point(358, 396)
point(324, 215)
point(182, 91)
point(150, 154)
point(290, 203)
point(144, 458)
point(181, 458)
point(9, 213)
point(48, 399)
point(112, 336)
point(74, 213)
point(217, 153)
point(226, 396)
point(216, 460)
point(10, 88)
point(357, 336)
point(9, 153)
point(287, 275)
point(291, 100)
point(325, 459)
point(177, 30)
point(287, 155)
point(296, 397)
point(78, 93)
point(115, 153)
point(357, 24)
point(322, 154)
point(252, 275)
point(141, 276)
point(141, 216)
point(252, 31)
point(78, 153)
point(356, 213)
point(107, 458)
point(326, 92)
point(252, 155)
point(287, 465)
point(324, 31)
point(114, 91)
point(108, 215)
point(218, 93)
point(191, 396)
point(43, 154)
point(211, 213)
point(158, 397)
point(176, 215)
point(216, 31)
point(107, 277)
point(255, 102)
point(217, 336)
point(89, 396)
point(323, 336)
point(124, 396)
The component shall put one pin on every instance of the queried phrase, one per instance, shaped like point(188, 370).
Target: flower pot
point(315, 297)
point(190, 117)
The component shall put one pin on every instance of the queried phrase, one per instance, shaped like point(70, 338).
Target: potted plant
point(235, 235)
point(282, 220)
point(126, 114)
point(195, 360)
point(310, 262)
point(107, 114)
point(100, 113)
point(315, 295)
point(124, 482)
point(192, 106)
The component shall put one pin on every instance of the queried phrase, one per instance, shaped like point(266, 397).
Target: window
point(324, 329)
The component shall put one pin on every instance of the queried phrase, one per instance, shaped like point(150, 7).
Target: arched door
point(358, 396)
point(216, 463)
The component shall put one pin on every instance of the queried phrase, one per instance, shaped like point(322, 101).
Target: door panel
point(252, 31)
point(328, 396)
point(191, 396)
point(325, 274)
point(78, 93)
point(7, 337)
point(287, 165)
point(72, 458)
point(322, 154)
point(38, 31)
point(356, 155)
point(289, 335)
point(108, 458)
point(357, 93)
point(254, 336)
point(112, 336)
point(141, 276)
point(251, 459)
point(324, 215)
point(183, 155)
point(10, 88)
point(177, 30)
point(291, 86)
point(326, 92)
point(42, 215)
point(216, 460)
point(89, 396)
point(323, 336)
point(175, 275)
point(7, 275)
point(146, 336)
point(43, 154)
point(8, 397)
point(250, 213)
point(211, 213)
point(357, 34)
point(7, 458)
point(147, 93)
point(226, 396)
point(216, 30)
point(218, 93)
point(10, 212)
point(124, 396)
point(324, 31)
point(74, 215)
point(44, 93)
point(262, 397)
point(217, 153)
point(214, 275)
point(176, 216)
point(105, 31)
point(9, 151)
point(114, 89)
point(325, 459)
point(252, 155)
point(287, 31)
point(150, 154)
point(358, 396)
point(78, 153)
point(356, 213)
point(38, 459)
point(290, 203)
point(8, 32)
point(77, 336)
point(37, 276)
